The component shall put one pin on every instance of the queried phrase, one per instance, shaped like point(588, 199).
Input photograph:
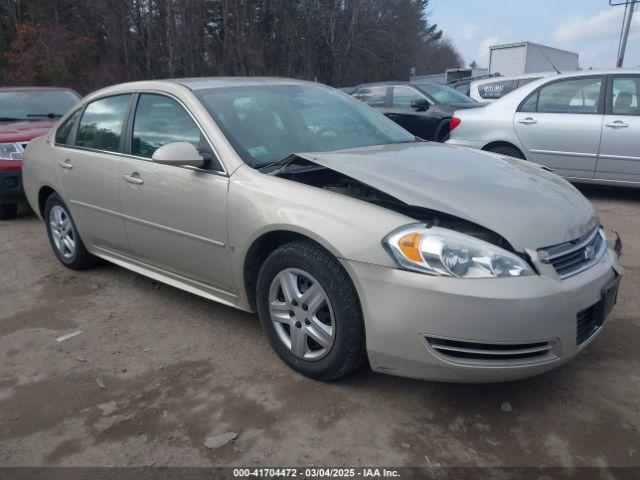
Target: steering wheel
point(323, 131)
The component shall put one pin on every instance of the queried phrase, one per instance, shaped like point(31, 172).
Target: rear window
point(495, 90)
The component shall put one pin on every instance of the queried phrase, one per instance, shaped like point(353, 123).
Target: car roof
point(390, 83)
point(35, 89)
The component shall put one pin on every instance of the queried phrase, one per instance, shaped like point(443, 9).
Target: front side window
point(444, 94)
point(581, 95)
point(266, 123)
point(101, 124)
point(403, 96)
point(63, 134)
point(160, 120)
point(374, 96)
point(35, 104)
point(625, 96)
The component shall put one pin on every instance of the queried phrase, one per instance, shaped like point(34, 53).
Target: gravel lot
point(157, 371)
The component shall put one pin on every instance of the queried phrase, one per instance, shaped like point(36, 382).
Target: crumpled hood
point(24, 131)
point(527, 205)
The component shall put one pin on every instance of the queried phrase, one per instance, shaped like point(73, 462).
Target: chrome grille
point(493, 353)
point(573, 257)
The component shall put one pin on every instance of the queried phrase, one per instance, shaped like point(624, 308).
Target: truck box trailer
point(519, 58)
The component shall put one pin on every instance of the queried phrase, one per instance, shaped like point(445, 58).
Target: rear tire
point(507, 150)
point(334, 320)
point(64, 237)
point(8, 211)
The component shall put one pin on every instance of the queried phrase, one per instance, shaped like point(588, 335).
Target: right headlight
point(440, 251)
point(10, 151)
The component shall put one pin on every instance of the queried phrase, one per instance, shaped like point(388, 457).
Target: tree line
point(87, 44)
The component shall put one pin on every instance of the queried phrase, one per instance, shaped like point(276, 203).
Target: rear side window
point(63, 134)
point(160, 120)
point(403, 96)
point(374, 96)
point(580, 95)
point(101, 124)
point(625, 96)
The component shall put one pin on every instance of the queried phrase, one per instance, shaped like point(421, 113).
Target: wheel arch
point(266, 243)
point(502, 143)
point(44, 192)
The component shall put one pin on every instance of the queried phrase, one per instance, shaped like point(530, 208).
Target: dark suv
point(25, 113)
point(423, 108)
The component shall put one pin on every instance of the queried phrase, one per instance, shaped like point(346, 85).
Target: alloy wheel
point(302, 314)
point(62, 232)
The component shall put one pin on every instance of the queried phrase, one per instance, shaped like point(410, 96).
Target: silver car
point(351, 239)
point(585, 126)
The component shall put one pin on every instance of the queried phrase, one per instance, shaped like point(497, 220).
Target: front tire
point(63, 235)
point(8, 211)
point(310, 312)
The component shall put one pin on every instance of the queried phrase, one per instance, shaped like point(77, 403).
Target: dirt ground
point(156, 371)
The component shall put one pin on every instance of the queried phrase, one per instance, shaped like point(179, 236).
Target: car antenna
point(549, 60)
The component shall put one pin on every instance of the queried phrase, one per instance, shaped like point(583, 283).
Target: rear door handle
point(134, 178)
point(528, 121)
point(66, 164)
point(616, 124)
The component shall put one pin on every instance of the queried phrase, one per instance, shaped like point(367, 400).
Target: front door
point(619, 157)
point(559, 125)
point(175, 217)
point(88, 164)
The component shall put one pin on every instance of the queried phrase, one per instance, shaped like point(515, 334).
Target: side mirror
point(421, 105)
point(178, 154)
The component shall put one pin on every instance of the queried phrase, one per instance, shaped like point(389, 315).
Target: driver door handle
point(134, 179)
point(66, 164)
point(616, 124)
point(528, 121)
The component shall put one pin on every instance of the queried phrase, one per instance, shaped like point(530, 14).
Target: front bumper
point(11, 190)
point(403, 309)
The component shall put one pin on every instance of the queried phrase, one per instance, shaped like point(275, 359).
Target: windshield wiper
point(10, 119)
point(48, 115)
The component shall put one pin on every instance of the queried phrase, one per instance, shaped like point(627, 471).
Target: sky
point(589, 27)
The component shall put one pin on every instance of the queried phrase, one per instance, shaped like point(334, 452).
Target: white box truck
point(519, 58)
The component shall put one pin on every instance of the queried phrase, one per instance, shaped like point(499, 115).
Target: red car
point(25, 113)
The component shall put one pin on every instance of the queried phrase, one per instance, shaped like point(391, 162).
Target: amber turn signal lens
point(410, 246)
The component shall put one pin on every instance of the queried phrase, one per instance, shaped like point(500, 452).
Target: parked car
point(463, 85)
point(25, 113)
point(585, 126)
point(491, 89)
point(424, 109)
point(301, 203)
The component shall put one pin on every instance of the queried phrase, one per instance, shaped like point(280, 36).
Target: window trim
point(74, 128)
point(129, 132)
point(129, 120)
point(609, 95)
point(601, 98)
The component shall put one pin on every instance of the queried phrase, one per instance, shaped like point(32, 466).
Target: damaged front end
point(302, 170)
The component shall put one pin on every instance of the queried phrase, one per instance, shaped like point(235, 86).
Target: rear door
point(88, 165)
point(619, 157)
point(559, 125)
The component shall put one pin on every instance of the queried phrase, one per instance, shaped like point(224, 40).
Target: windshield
point(444, 94)
point(266, 123)
point(35, 104)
